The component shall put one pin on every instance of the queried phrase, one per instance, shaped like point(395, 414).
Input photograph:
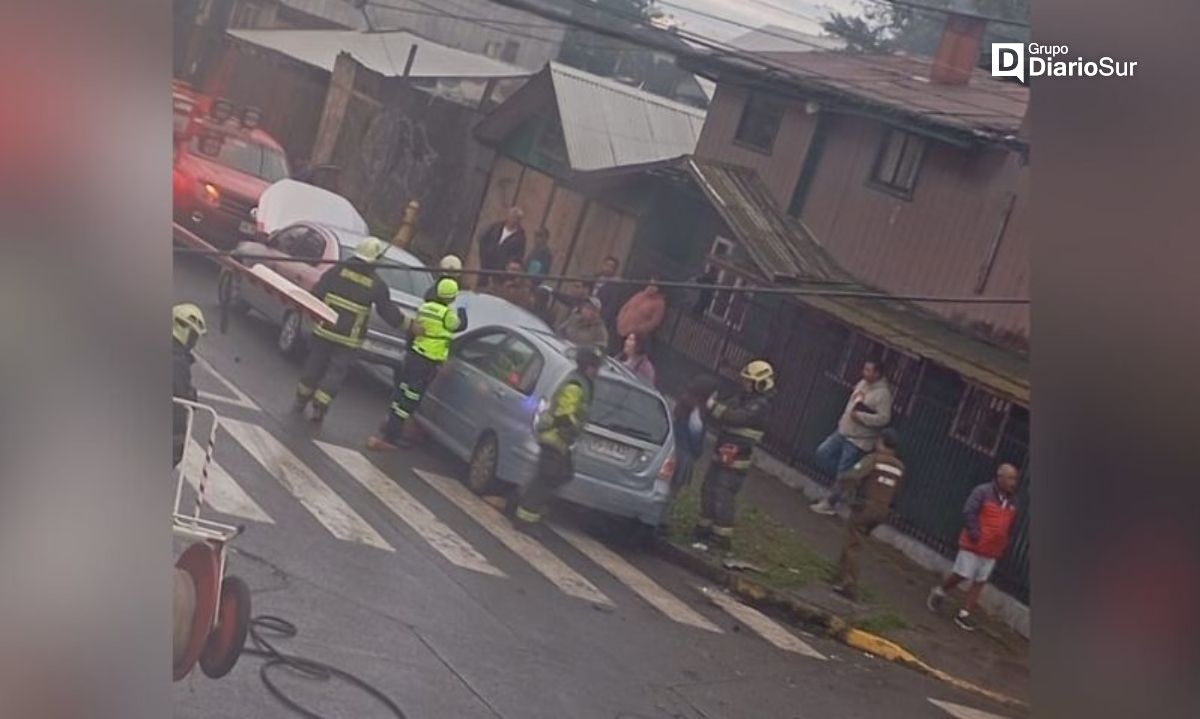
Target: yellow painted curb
point(884, 649)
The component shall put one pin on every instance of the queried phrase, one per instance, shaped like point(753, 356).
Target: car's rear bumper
point(646, 505)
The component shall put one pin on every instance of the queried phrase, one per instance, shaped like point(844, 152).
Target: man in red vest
point(989, 514)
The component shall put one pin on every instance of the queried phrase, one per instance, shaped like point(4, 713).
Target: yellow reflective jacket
point(437, 323)
point(562, 422)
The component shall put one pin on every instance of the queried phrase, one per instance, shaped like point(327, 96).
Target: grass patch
point(882, 622)
point(786, 561)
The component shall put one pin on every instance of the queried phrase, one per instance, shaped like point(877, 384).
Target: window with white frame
point(981, 419)
point(898, 162)
point(903, 370)
point(726, 306)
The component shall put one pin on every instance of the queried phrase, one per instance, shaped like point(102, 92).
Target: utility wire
point(723, 53)
point(790, 286)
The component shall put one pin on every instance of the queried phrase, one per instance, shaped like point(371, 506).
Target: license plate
point(246, 228)
point(609, 450)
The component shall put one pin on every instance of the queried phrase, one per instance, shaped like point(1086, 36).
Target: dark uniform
point(428, 348)
point(558, 426)
point(741, 424)
point(182, 387)
point(872, 485)
point(350, 290)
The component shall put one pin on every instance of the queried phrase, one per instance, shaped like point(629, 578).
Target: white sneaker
point(935, 599)
point(823, 507)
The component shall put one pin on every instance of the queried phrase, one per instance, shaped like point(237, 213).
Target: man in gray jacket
point(584, 325)
point(867, 412)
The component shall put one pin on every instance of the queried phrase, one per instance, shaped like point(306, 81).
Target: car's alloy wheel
point(481, 472)
point(291, 342)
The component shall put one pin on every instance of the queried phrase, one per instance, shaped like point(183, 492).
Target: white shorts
point(973, 567)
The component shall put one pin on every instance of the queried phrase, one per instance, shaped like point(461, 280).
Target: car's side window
point(310, 245)
point(290, 240)
point(479, 350)
point(518, 365)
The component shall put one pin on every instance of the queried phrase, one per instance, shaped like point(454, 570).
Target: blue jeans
point(837, 454)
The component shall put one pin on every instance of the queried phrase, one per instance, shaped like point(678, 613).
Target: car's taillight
point(662, 484)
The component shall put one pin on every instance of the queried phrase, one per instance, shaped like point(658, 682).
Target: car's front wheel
point(481, 469)
point(291, 335)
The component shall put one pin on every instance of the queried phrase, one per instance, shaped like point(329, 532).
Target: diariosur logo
point(1014, 59)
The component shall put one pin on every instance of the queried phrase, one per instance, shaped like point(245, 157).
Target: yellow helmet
point(450, 263)
point(761, 374)
point(447, 289)
point(187, 324)
point(370, 249)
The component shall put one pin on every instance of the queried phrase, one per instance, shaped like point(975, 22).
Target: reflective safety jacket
point(741, 424)
point(435, 326)
point(351, 289)
point(561, 423)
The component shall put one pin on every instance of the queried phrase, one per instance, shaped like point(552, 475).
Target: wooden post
point(408, 225)
point(337, 99)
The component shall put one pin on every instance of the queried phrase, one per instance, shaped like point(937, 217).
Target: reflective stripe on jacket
point(438, 323)
point(562, 422)
point(351, 290)
point(741, 426)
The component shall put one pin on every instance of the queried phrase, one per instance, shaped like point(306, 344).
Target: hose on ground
point(267, 625)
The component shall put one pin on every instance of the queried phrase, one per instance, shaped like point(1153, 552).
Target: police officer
point(187, 327)
point(872, 484)
point(740, 423)
point(557, 427)
point(434, 327)
point(450, 267)
point(350, 289)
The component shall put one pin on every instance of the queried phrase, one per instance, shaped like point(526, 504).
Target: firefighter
point(350, 289)
point(450, 267)
point(435, 325)
point(872, 485)
point(187, 327)
point(740, 423)
point(557, 427)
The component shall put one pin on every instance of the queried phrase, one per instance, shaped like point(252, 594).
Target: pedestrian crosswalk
point(958, 711)
point(342, 517)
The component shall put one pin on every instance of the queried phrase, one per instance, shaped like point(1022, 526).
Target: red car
point(220, 170)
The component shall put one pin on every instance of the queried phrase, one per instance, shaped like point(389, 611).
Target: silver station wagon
point(482, 404)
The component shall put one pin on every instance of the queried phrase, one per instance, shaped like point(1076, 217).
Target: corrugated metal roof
point(607, 124)
point(901, 82)
point(778, 243)
point(383, 52)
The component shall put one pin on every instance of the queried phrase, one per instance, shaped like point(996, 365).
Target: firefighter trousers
point(554, 469)
point(324, 373)
point(411, 382)
point(862, 523)
point(718, 498)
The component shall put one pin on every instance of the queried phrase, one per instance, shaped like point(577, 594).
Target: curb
point(813, 617)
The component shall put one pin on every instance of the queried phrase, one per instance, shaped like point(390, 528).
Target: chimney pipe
point(958, 50)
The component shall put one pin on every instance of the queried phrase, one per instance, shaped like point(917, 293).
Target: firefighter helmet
point(187, 324)
point(447, 289)
point(370, 249)
point(450, 263)
point(761, 374)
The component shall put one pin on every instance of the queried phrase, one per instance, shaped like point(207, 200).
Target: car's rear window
point(628, 410)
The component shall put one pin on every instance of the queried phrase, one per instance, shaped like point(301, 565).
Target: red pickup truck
point(222, 166)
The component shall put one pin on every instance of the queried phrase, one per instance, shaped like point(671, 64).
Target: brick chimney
point(958, 50)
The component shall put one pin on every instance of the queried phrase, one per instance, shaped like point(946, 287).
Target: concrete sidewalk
point(894, 589)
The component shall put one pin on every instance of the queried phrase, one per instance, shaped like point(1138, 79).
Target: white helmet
point(450, 263)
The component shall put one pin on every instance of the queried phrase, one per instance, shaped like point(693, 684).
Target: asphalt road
point(394, 572)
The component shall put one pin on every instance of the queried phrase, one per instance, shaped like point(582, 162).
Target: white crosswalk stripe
point(221, 492)
point(635, 579)
point(540, 558)
point(439, 536)
point(325, 505)
point(760, 624)
point(961, 712)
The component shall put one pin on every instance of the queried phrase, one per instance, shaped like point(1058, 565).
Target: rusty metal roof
point(780, 244)
point(985, 106)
